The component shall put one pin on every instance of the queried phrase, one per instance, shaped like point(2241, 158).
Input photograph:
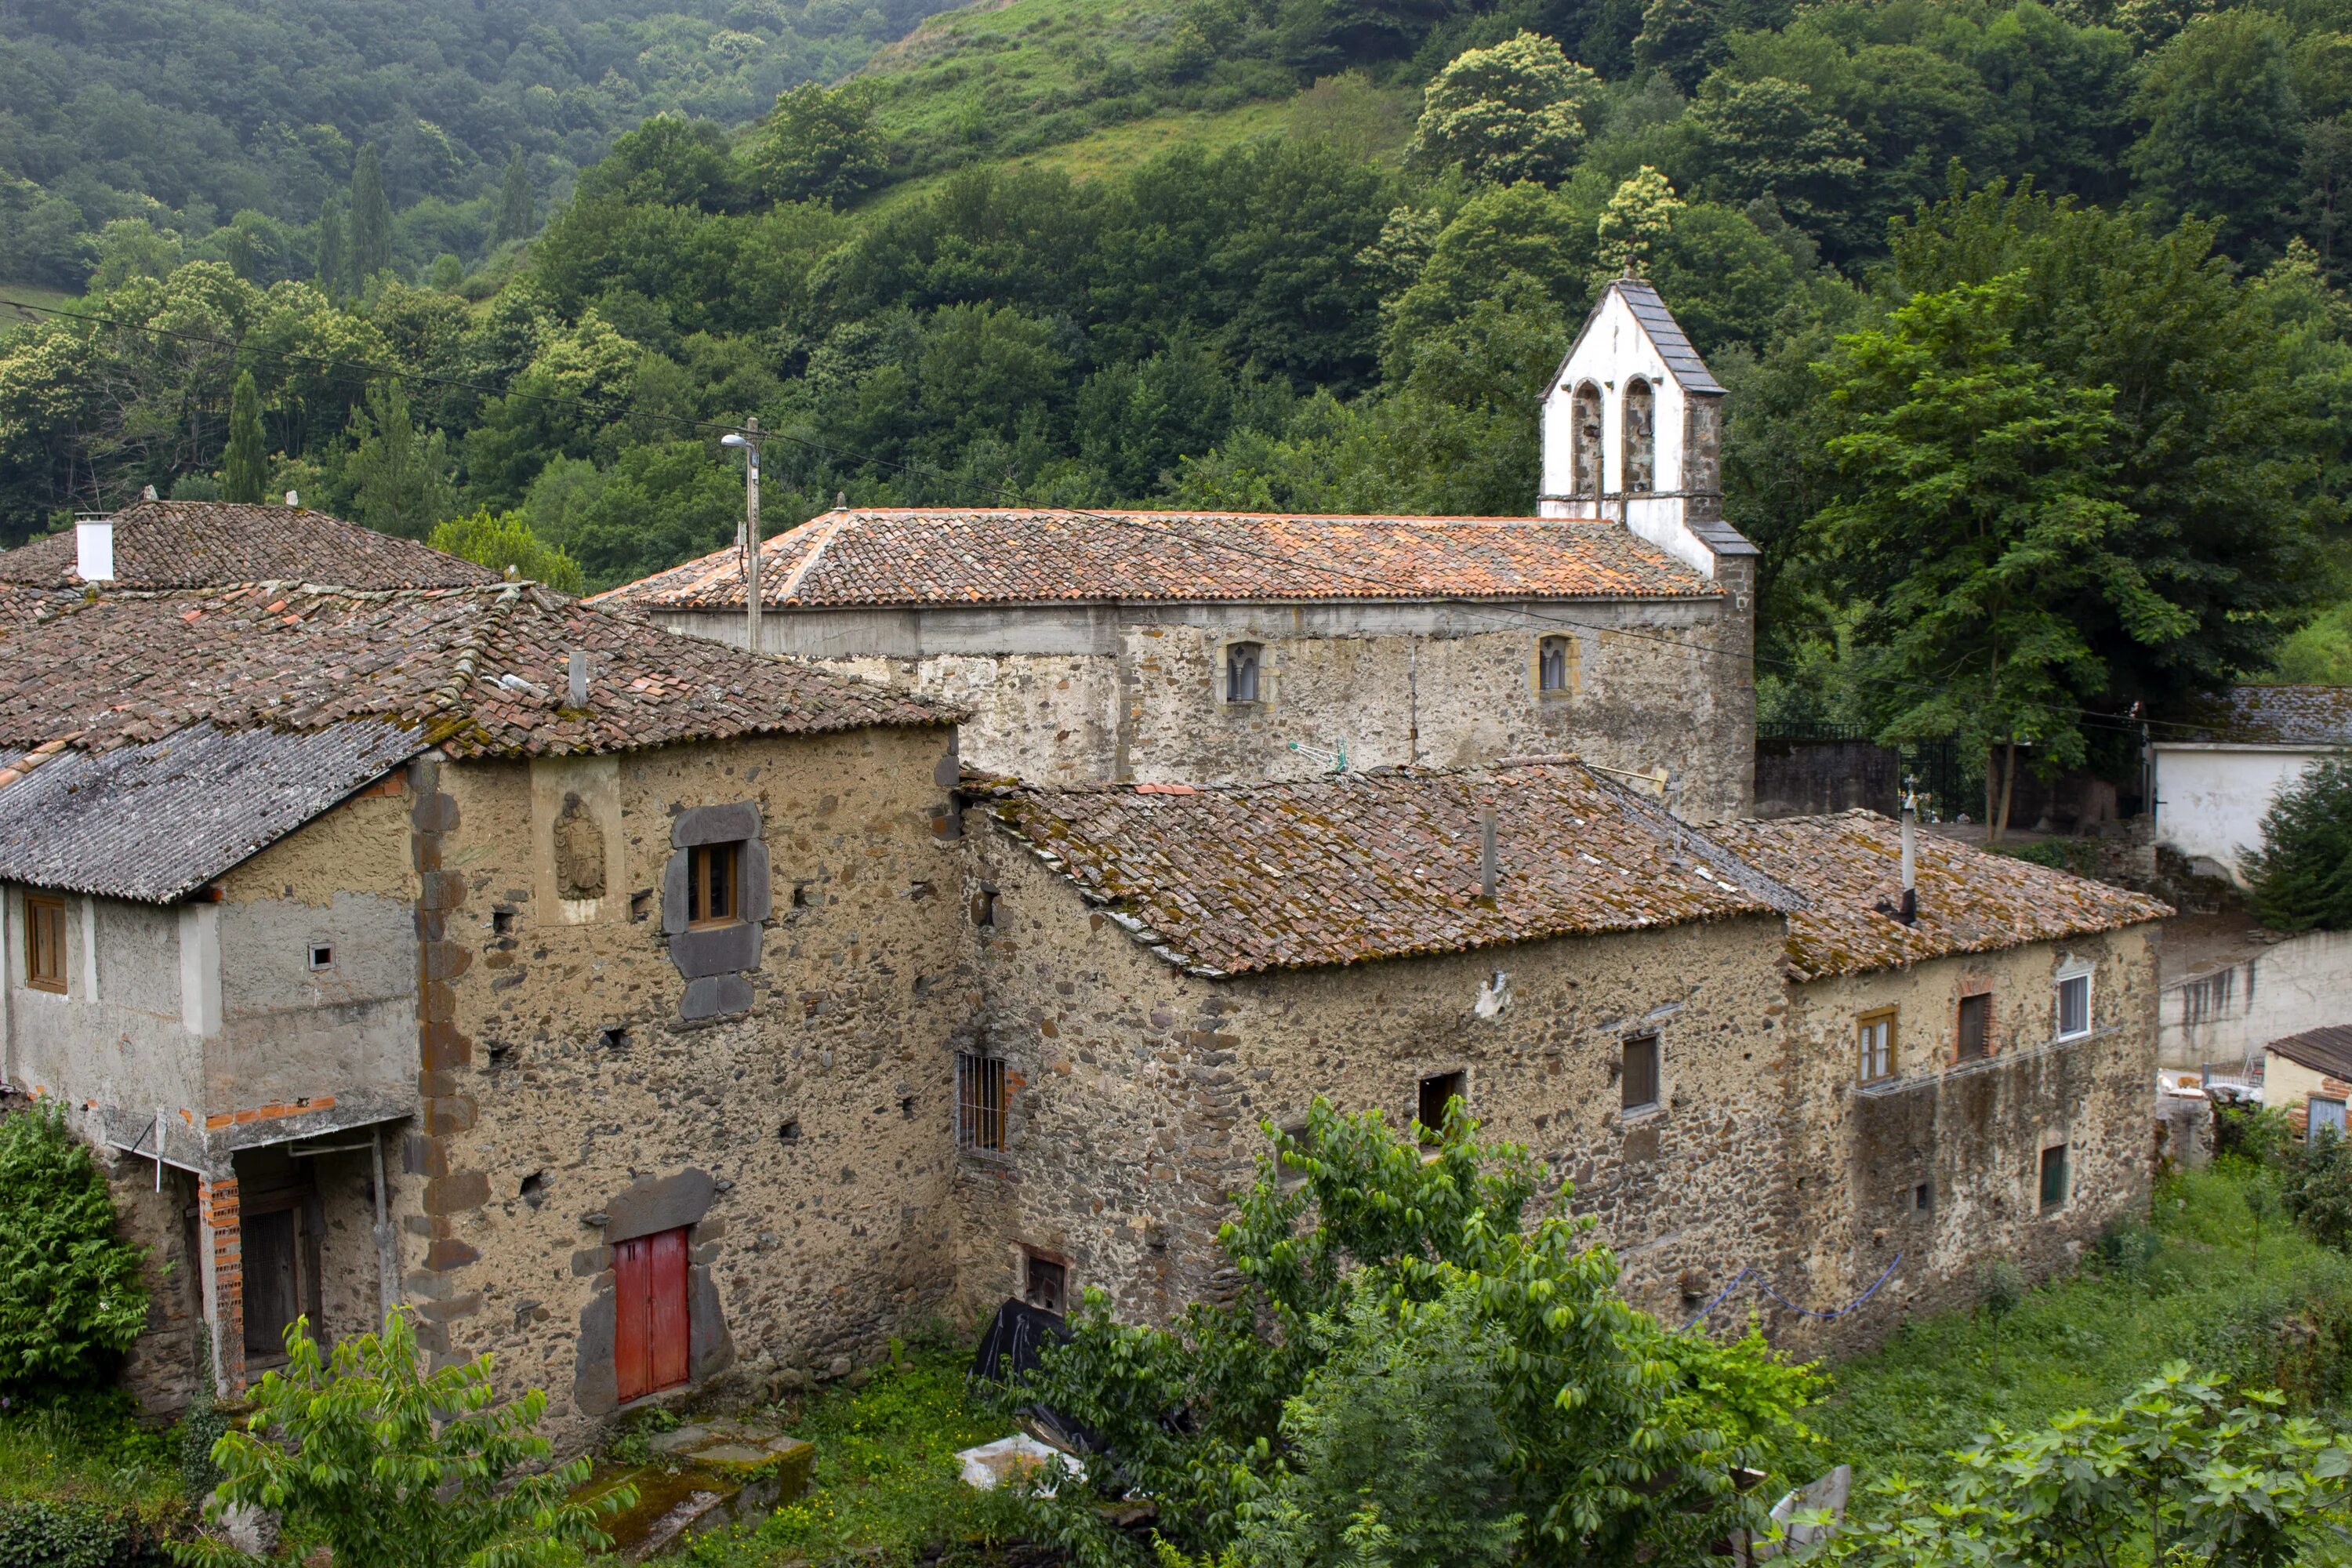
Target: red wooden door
point(650, 1337)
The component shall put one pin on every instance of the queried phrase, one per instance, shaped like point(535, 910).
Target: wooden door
point(651, 1340)
point(272, 1286)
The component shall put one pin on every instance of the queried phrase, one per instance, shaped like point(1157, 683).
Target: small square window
point(1640, 1081)
point(1047, 1284)
point(2053, 1177)
point(1976, 1025)
point(2073, 1006)
point(1922, 1197)
point(1555, 664)
point(323, 956)
point(1875, 1046)
point(45, 942)
point(502, 923)
point(714, 874)
point(980, 1103)
point(1244, 663)
point(1437, 1091)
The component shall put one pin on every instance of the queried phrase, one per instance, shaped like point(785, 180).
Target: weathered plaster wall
point(117, 1036)
point(558, 1074)
point(1138, 1088)
point(2230, 1014)
point(2211, 799)
point(1972, 1132)
point(1074, 694)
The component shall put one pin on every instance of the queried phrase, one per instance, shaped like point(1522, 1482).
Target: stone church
point(1188, 647)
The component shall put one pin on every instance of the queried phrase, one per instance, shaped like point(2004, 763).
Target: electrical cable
point(1494, 613)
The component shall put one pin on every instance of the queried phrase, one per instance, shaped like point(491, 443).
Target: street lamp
point(748, 438)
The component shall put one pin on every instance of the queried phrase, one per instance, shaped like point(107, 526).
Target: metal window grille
point(980, 1103)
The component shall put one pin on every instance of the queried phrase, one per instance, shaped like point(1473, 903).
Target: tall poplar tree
point(370, 218)
point(334, 252)
point(516, 202)
point(245, 468)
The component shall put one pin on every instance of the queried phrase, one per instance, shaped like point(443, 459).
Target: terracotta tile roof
point(193, 544)
point(910, 556)
point(1969, 902)
point(2325, 1050)
point(478, 671)
point(1235, 878)
point(2308, 715)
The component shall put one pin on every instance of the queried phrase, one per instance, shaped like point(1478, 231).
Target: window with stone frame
point(1244, 671)
point(980, 1104)
point(45, 942)
point(714, 885)
point(1556, 665)
point(1638, 1085)
point(1641, 438)
point(1584, 441)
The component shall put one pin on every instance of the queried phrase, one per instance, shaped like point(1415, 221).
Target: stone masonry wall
point(1973, 1135)
point(806, 1142)
point(1137, 1088)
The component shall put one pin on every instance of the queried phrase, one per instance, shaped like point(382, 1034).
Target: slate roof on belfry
point(155, 739)
point(913, 556)
point(1229, 879)
point(188, 545)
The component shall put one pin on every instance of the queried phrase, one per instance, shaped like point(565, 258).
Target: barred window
point(980, 1103)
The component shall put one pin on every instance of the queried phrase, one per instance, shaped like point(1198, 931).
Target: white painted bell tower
point(1633, 431)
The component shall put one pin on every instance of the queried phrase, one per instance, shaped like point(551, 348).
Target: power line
point(1518, 615)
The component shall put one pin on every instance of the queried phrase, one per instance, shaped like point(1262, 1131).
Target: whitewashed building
point(2212, 783)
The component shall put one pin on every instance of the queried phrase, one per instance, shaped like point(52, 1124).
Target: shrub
point(41, 1534)
point(393, 1468)
point(2302, 875)
point(71, 1295)
point(2316, 1185)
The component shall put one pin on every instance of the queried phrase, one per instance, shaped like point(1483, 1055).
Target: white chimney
point(94, 549)
point(147, 493)
point(579, 671)
point(293, 498)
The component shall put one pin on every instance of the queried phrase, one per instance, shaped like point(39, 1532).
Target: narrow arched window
point(1584, 440)
point(1641, 438)
point(1244, 661)
point(1555, 664)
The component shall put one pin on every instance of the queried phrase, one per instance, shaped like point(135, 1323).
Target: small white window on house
point(2074, 1002)
point(2324, 1116)
point(1245, 670)
point(1556, 665)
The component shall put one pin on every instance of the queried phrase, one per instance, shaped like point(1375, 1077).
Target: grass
point(88, 1447)
point(887, 1483)
point(12, 321)
point(2210, 1285)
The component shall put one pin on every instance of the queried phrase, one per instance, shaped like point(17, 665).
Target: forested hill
point(187, 112)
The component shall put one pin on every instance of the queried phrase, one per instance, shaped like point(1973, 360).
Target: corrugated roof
point(1015, 556)
point(2328, 1051)
point(1848, 865)
point(188, 544)
point(2292, 715)
point(157, 820)
point(1229, 879)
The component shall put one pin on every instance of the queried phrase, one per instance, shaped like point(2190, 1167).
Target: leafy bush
point(393, 1468)
point(2302, 875)
point(1618, 1439)
point(2179, 1472)
point(41, 1534)
point(70, 1294)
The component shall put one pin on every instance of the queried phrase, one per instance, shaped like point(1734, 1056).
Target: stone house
point(2309, 1077)
point(1669, 1019)
point(586, 986)
point(1222, 648)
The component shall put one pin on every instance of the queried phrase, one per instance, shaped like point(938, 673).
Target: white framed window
point(2074, 1000)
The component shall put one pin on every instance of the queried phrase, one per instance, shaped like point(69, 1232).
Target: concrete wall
point(2301, 983)
point(1074, 694)
point(806, 1140)
point(2211, 798)
point(1973, 1133)
point(1138, 1088)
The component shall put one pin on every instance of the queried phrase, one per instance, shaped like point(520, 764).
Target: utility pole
point(749, 439)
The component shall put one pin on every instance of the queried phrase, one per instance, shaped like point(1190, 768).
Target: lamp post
point(748, 438)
